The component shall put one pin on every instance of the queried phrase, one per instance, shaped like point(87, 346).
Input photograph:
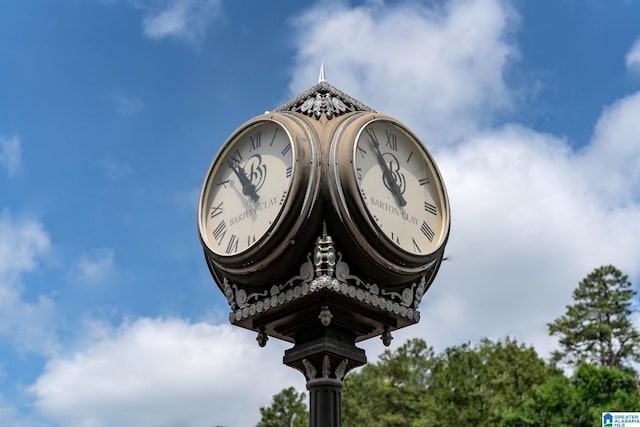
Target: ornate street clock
point(324, 223)
point(257, 195)
point(389, 193)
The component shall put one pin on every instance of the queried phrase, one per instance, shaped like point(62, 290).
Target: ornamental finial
point(323, 100)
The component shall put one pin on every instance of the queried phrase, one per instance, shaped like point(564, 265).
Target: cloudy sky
point(112, 110)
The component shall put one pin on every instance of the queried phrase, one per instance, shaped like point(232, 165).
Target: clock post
point(324, 223)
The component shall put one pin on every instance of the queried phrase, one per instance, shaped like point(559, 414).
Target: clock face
point(400, 187)
point(246, 188)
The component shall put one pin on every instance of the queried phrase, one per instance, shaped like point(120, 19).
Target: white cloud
point(531, 215)
point(22, 242)
point(10, 154)
point(27, 324)
point(528, 224)
point(184, 20)
point(612, 160)
point(633, 56)
point(94, 268)
point(438, 67)
point(164, 372)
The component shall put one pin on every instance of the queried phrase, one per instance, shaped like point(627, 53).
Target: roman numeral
point(362, 151)
point(359, 173)
point(415, 245)
point(427, 231)
point(251, 239)
point(395, 238)
point(222, 182)
point(372, 136)
point(274, 137)
point(423, 181)
point(220, 231)
point(409, 158)
point(236, 158)
point(392, 141)
point(216, 210)
point(255, 141)
point(289, 171)
point(430, 208)
point(233, 244)
point(286, 149)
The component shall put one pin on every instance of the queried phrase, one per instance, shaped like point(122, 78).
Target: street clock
point(258, 195)
point(389, 193)
point(324, 223)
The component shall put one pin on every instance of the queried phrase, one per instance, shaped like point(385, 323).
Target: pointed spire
point(321, 77)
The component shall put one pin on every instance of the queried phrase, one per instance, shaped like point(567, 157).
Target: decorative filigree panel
point(323, 99)
point(325, 269)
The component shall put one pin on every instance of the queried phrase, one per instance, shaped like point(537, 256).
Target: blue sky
point(112, 110)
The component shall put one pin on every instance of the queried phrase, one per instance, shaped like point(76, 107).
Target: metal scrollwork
point(237, 297)
point(325, 100)
point(325, 269)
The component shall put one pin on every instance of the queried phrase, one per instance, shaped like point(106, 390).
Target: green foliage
point(287, 410)
point(478, 385)
point(551, 404)
point(577, 401)
point(605, 389)
point(390, 393)
point(465, 385)
point(596, 328)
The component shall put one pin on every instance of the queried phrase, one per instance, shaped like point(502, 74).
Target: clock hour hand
point(248, 189)
point(387, 175)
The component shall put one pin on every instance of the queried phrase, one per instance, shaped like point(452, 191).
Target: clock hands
point(248, 189)
point(387, 175)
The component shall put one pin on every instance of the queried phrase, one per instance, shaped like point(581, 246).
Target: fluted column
point(325, 402)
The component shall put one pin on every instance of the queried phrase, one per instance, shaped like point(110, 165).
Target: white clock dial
point(246, 188)
point(400, 187)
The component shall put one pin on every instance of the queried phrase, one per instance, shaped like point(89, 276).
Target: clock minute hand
point(387, 175)
point(248, 189)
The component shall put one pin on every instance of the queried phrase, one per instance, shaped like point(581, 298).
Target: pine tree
point(597, 328)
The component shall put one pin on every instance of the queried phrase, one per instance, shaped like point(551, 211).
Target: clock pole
point(324, 363)
point(324, 223)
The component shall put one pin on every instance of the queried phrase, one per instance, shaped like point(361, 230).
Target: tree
point(577, 401)
point(287, 410)
point(464, 385)
point(596, 328)
point(478, 385)
point(391, 392)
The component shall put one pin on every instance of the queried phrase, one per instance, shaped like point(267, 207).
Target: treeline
point(500, 383)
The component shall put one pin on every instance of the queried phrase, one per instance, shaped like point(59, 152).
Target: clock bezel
point(298, 203)
point(358, 220)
